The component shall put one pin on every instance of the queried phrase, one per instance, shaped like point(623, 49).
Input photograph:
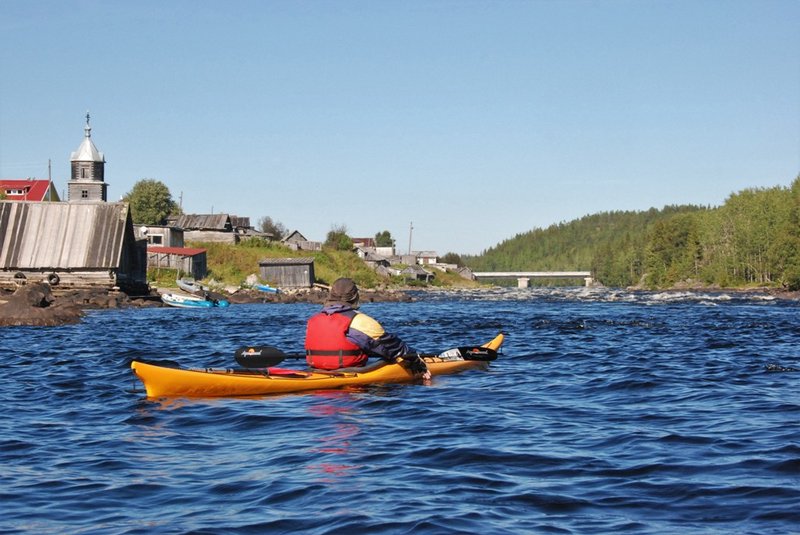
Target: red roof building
point(187, 260)
point(183, 251)
point(29, 189)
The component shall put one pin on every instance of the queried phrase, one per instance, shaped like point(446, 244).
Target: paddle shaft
point(266, 356)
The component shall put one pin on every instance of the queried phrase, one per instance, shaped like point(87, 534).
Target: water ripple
point(607, 412)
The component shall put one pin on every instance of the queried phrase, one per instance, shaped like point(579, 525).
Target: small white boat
point(192, 301)
point(192, 286)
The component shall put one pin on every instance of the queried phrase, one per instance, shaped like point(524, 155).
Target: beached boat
point(164, 381)
point(192, 286)
point(266, 288)
point(192, 301)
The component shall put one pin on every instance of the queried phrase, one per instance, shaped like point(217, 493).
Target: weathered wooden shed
point(188, 261)
point(288, 272)
point(71, 245)
point(418, 273)
point(374, 260)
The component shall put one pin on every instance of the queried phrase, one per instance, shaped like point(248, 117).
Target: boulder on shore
point(312, 295)
point(34, 304)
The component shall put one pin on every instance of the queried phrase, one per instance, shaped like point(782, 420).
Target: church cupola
point(88, 171)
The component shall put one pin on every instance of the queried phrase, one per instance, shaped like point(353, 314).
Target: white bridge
point(524, 277)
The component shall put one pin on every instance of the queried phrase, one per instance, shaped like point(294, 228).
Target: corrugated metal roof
point(61, 235)
point(204, 222)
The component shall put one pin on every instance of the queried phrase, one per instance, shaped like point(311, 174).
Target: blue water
point(608, 412)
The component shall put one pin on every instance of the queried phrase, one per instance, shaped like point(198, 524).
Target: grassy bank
point(230, 265)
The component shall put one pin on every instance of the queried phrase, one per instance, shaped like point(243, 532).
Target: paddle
point(262, 356)
point(266, 356)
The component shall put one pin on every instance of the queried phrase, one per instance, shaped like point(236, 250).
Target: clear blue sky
point(475, 120)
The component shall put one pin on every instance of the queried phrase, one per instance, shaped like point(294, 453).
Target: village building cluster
point(88, 242)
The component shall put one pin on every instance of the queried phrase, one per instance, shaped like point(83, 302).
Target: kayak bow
point(160, 381)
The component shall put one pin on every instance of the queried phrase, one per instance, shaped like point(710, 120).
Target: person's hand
point(420, 369)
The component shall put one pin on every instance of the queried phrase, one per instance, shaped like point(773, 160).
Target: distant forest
point(753, 239)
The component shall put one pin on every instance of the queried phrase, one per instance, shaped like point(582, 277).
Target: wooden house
point(160, 235)
point(294, 237)
point(288, 272)
point(297, 242)
point(71, 245)
point(216, 228)
point(29, 189)
point(374, 260)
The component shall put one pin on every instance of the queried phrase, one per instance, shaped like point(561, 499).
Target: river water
point(607, 412)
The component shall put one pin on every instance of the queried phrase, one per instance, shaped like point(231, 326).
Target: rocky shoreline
point(37, 305)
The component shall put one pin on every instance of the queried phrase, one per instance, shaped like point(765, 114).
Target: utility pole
point(410, 232)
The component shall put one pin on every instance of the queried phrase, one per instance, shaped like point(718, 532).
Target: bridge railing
point(524, 277)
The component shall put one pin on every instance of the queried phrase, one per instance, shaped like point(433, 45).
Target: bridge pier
point(588, 281)
point(523, 282)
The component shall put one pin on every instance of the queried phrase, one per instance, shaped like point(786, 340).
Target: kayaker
point(339, 336)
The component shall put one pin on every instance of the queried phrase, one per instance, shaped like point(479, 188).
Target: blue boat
point(266, 288)
point(192, 301)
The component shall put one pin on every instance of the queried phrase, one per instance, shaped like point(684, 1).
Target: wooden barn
point(288, 272)
point(71, 245)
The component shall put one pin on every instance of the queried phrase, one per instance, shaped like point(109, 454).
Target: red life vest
point(327, 347)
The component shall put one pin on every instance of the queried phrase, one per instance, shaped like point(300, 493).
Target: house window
point(156, 239)
point(84, 194)
point(84, 174)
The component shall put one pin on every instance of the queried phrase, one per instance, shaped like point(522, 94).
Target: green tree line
point(753, 239)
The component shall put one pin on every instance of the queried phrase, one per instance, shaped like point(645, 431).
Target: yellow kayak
point(160, 381)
